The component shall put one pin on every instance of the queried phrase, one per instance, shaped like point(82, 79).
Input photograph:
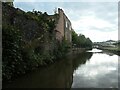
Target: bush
point(81, 41)
point(11, 39)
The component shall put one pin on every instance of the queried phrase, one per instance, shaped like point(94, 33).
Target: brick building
point(63, 27)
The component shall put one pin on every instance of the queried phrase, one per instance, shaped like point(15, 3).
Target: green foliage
point(43, 19)
point(19, 55)
point(11, 39)
point(61, 49)
point(81, 41)
point(18, 59)
point(9, 3)
point(74, 37)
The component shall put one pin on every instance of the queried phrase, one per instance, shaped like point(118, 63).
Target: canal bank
point(111, 50)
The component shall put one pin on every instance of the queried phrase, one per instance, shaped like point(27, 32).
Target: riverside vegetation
point(29, 41)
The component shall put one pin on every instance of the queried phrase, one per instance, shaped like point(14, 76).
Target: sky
point(96, 20)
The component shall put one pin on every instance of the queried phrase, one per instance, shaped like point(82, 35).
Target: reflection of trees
point(57, 75)
point(81, 59)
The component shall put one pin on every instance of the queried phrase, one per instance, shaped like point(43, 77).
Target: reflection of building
point(64, 27)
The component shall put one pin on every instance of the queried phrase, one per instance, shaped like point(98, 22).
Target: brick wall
point(64, 27)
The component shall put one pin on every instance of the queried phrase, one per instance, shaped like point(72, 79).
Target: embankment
point(115, 51)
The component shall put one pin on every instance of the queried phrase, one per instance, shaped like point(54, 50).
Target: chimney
point(60, 11)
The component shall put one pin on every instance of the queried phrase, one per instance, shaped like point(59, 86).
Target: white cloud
point(87, 22)
point(97, 28)
point(96, 36)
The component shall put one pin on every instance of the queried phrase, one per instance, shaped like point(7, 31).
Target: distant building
point(111, 42)
point(63, 27)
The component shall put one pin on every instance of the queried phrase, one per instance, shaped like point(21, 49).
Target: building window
point(70, 28)
point(66, 25)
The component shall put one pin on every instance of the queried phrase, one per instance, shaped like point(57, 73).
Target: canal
point(91, 69)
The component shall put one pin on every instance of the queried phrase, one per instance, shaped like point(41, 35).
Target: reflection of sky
point(95, 50)
point(100, 71)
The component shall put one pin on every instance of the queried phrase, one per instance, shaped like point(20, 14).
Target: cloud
point(96, 36)
point(98, 21)
point(91, 22)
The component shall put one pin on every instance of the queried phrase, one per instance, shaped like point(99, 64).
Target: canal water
point(91, 69)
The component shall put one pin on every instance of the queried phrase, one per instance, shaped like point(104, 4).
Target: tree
point(81, 41)
point(74, 37)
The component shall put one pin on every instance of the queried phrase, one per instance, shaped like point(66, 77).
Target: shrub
point(11, 39)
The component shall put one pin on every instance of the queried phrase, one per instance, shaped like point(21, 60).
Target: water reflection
point(81, 59)
point(58, 75)
point(95, 50)
point(77, 71)
point(101, 71)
